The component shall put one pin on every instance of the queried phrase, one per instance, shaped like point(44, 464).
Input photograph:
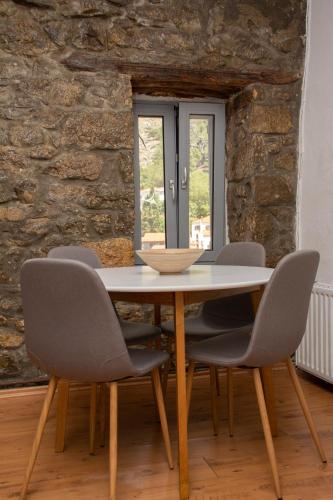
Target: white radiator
point(315, 354)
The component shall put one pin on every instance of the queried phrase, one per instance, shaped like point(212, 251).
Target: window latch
point(184, 179)
point(172, 189)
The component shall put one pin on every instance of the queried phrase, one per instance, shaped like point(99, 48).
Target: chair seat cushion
point(225, 350)
point(144, 360)
point(198, 327)
point(138, 332)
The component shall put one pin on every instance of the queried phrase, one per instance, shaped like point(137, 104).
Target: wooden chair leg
point(113, 438)
point(39, 433)
point(102, 414)
point(61, 416)
point(213, 399)
point(93, 417)
point(218, 391)
point(190, 375)
point(268, 387)
point(305, 408)
point(166, 367)
point(163, 419)
point(155, 399)
point(230, 395)
point(267, 430)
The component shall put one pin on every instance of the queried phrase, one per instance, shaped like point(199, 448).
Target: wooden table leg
point(266, 374)
point(181, 397)
point(61, 417)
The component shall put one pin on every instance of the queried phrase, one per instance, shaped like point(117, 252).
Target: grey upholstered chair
point(225, 314)
point(134, 333)
point(73, 332)
point(277, 332)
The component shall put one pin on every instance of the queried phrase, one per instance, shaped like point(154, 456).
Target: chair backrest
point(282, 314)
point(79, 253)
point(243, 253)
point(236, 309)
point(71, 328)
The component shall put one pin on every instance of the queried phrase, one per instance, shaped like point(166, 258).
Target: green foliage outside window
point(152, 215)
point(152, 173)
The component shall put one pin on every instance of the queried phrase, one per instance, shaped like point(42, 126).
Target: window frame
point(176, 120)
point(170, 168)
point(217, 176)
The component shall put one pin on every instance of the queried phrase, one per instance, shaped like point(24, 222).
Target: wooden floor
point(221, 468)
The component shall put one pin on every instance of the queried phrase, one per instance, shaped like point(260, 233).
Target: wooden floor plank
point(221, 468)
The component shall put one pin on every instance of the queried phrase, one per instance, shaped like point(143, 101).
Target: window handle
point(172, 188)
point(184, 179)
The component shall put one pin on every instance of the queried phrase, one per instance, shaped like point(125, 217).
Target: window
point(179, 176)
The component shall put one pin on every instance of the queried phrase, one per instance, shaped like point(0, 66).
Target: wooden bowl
point(170, 260)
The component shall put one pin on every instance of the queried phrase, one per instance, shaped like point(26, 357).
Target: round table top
point(197, 277)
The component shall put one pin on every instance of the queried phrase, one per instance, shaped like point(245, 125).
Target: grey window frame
point(166, 111)
point(217, 138)
point(177, 210)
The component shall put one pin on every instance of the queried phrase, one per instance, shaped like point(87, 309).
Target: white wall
point(315, 218)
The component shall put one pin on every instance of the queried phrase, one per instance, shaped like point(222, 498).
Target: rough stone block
point(273, 190)
point(263, 226)
point(113, 92)
point(43, 152)
point(124, 223)
point(20, 35)
point(10, 339)
point(3, 321)
point(103, 223)
point(98, 130)
point(101, 196)
point(8, 364)
point(52, 90)
point(89, 34)
point(77, 166)
point(75, 226)
point(65, 93)
point(4, 136)
point(24, 135)
point(119, 165)
point(285, 161)
point(12, 214)
point(270, 119)
point(26, 190)
point(37, 227)
point(250, 157)
point(65, 193)
point(6, 191)
point(90, 8)
point(114, 252)
point(10, 304)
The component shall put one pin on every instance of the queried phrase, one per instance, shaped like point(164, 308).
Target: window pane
point(200, 156)
point(152, 196)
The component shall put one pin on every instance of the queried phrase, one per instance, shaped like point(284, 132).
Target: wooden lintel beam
point(148, 77)
point(208, 78)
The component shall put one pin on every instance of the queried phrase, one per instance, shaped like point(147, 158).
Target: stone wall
point(262, 137)
point(66, 137)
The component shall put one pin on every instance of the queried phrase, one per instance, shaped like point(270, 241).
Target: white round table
point(198, 277)
point(198, 284)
